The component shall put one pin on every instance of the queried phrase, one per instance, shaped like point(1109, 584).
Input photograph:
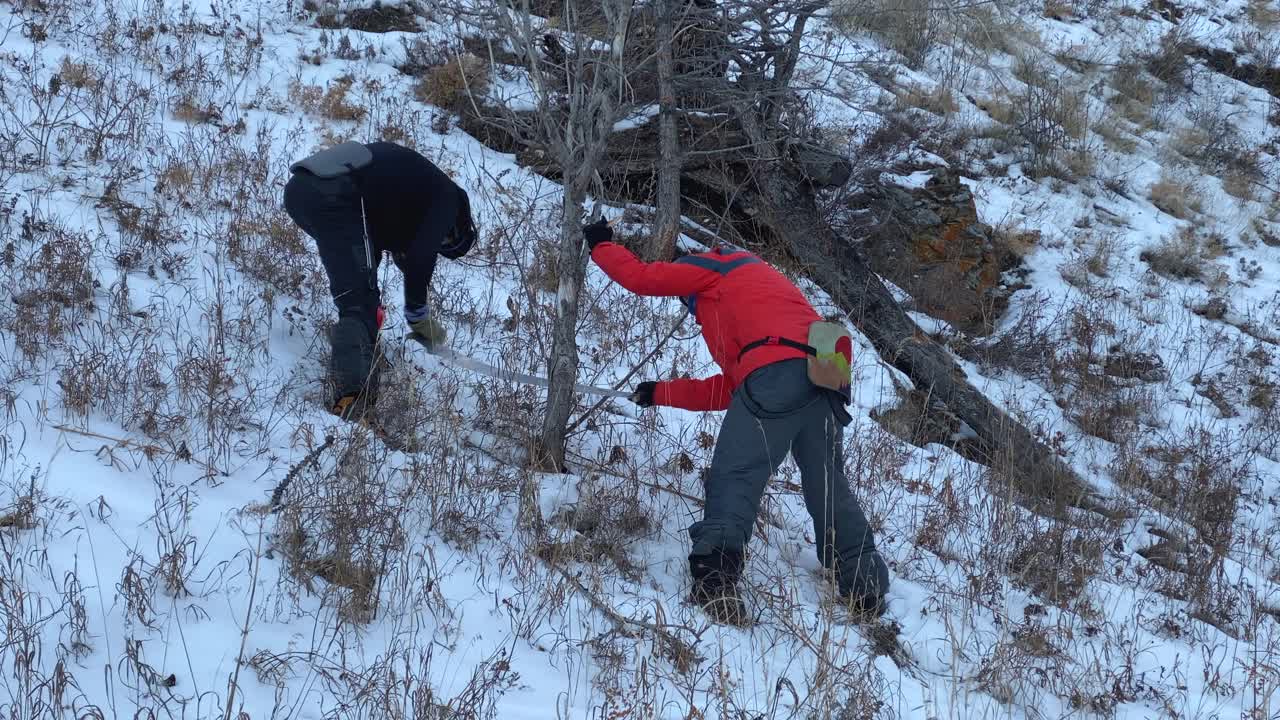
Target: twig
point(681, 653)
point(233, 683)
point(146, 449)
point(600, 403)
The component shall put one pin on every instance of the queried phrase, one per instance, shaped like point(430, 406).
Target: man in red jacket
point(773, 408)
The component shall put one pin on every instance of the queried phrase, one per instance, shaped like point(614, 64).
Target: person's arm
point(418, 265)
point(713, 393)
point(660, 279)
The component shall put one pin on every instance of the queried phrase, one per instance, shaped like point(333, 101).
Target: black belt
point(776, 340)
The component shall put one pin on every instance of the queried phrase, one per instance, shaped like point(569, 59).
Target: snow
point(152, 551)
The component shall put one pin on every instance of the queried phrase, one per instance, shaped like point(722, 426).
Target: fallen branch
point(150, 450)
point(680, 653)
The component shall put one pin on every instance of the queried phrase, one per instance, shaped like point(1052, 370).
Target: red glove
point(382, 315)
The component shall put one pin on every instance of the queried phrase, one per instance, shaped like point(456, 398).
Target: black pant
point(330, 211)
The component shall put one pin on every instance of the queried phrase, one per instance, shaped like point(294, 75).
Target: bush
point(1175, 197)
point(1178, 257)
point(452, 85)
point(330, 102)
point(1170, 63)
point(909, 27)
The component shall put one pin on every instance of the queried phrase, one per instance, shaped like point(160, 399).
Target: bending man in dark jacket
point(773, 408)
point(357, 201)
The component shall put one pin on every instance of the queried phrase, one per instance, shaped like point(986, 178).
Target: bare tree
point(667, 224)
point(578, 76)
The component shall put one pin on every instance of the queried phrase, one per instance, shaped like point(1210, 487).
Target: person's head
point(463, 234)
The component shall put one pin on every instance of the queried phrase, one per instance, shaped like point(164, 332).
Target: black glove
point(597, 232)
point(643, 395)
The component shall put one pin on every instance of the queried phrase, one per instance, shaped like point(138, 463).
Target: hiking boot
point(721, 602)
point(353, 407)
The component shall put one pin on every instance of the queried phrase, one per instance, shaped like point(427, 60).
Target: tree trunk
point(563, 363)
point(667, 223)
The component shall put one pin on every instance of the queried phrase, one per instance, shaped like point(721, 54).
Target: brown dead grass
point(938, 101)
point(1175, 196)
point(1263, 13)
point(453, 85)
point(331, 102)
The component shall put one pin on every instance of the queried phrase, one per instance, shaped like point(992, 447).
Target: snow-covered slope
point(164, 342)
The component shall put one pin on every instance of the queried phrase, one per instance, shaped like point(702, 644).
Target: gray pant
point(776, 410)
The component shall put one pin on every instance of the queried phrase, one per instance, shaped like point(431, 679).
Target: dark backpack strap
point(775, 340)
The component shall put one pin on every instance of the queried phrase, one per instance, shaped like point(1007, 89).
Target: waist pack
point(830, 351)
point(335, 161)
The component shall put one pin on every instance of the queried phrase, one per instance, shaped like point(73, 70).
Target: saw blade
point(456, 358)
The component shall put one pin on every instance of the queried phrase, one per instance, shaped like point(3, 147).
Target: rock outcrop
point(930, 242)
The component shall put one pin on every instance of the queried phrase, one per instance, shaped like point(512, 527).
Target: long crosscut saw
point(456, 358)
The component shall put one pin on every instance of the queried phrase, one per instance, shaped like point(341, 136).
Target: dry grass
point(1264, 14)
point(455, 84)
point(191, 361)
point(939, 100)
point(331, 102)
point(1175, 196)
point(910, 27)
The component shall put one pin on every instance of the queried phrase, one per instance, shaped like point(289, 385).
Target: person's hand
point(597, 232)
point(425, 329)
point(643, 395)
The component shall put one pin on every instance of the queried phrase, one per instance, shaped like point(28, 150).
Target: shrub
point(1262, 14)
point(1170, 63)
point(909, 27)
point(452, 85)
point(330, 102)
point(1178, 257)
point(1175, 197)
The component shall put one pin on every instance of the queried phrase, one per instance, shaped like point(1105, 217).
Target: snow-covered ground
point(162, 353)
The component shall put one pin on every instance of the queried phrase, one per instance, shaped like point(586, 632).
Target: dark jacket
point(410, 206)
point(736, 297)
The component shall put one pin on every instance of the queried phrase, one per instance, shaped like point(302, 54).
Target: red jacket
point(736, 297)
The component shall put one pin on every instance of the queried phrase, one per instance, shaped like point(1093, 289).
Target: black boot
point(352, 368)
point(715, 586)
point(721, 601)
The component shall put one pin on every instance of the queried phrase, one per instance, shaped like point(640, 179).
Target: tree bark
point(579, 146)
point(667, 223)
point(563, 363)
